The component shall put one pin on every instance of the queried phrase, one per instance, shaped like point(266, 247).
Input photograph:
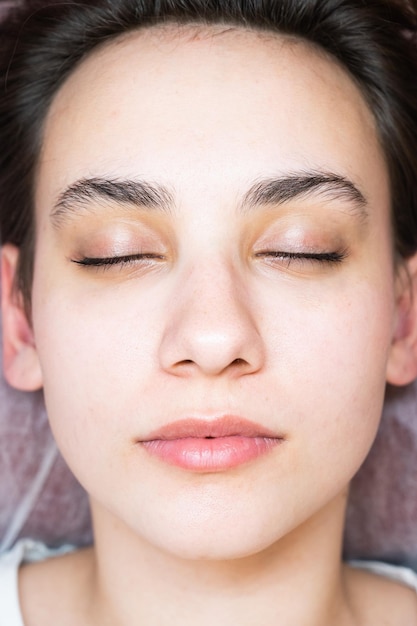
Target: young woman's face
point(213, 248)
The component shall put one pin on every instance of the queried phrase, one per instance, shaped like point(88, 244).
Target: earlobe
point(20, 359)
point(402, 363)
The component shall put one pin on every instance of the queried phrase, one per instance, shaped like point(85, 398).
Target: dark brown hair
point(43, 41)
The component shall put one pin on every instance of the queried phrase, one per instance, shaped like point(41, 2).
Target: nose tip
point(211, 332)
point(213, 355)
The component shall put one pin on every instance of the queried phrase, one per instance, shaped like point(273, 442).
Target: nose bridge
point(214, 293)
point(210, 323)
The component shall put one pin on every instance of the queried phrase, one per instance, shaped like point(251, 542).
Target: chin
point(214, 545)
point(219, 538)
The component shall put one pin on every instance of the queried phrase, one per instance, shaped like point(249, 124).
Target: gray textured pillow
point(39, 496)
point(382, 514)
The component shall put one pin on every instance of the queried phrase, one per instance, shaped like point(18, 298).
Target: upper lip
point(227, 426)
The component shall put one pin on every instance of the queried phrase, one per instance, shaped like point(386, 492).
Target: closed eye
point(287, 258)
point(128, 259)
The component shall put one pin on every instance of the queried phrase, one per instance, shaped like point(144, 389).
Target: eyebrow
point(88, 191)
point(269, 191)
point(330, 186)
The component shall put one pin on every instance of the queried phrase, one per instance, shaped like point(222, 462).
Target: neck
point(296, 581)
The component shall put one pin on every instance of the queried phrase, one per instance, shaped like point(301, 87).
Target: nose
point(211, 327)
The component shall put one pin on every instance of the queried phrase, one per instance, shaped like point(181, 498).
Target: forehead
point(205, 108)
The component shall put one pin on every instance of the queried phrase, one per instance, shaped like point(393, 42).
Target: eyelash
point(106, 262)
point(324, 258)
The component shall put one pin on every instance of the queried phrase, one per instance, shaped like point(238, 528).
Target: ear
point(402, 362)
point(20, 358)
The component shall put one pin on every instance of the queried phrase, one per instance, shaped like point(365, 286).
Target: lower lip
point(210, 455)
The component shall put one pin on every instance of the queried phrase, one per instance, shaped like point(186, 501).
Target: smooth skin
point(288, 313)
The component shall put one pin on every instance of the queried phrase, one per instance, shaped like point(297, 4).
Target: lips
point(210, 445)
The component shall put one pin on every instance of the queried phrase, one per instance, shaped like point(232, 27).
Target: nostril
point(239, 362)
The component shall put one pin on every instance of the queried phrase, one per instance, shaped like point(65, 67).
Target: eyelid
point(116, 236)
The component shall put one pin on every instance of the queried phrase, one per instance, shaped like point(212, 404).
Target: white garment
point(27, 551)
point(30, 551)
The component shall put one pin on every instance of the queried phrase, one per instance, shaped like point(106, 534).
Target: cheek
point(330, 357)
point(97, 360)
